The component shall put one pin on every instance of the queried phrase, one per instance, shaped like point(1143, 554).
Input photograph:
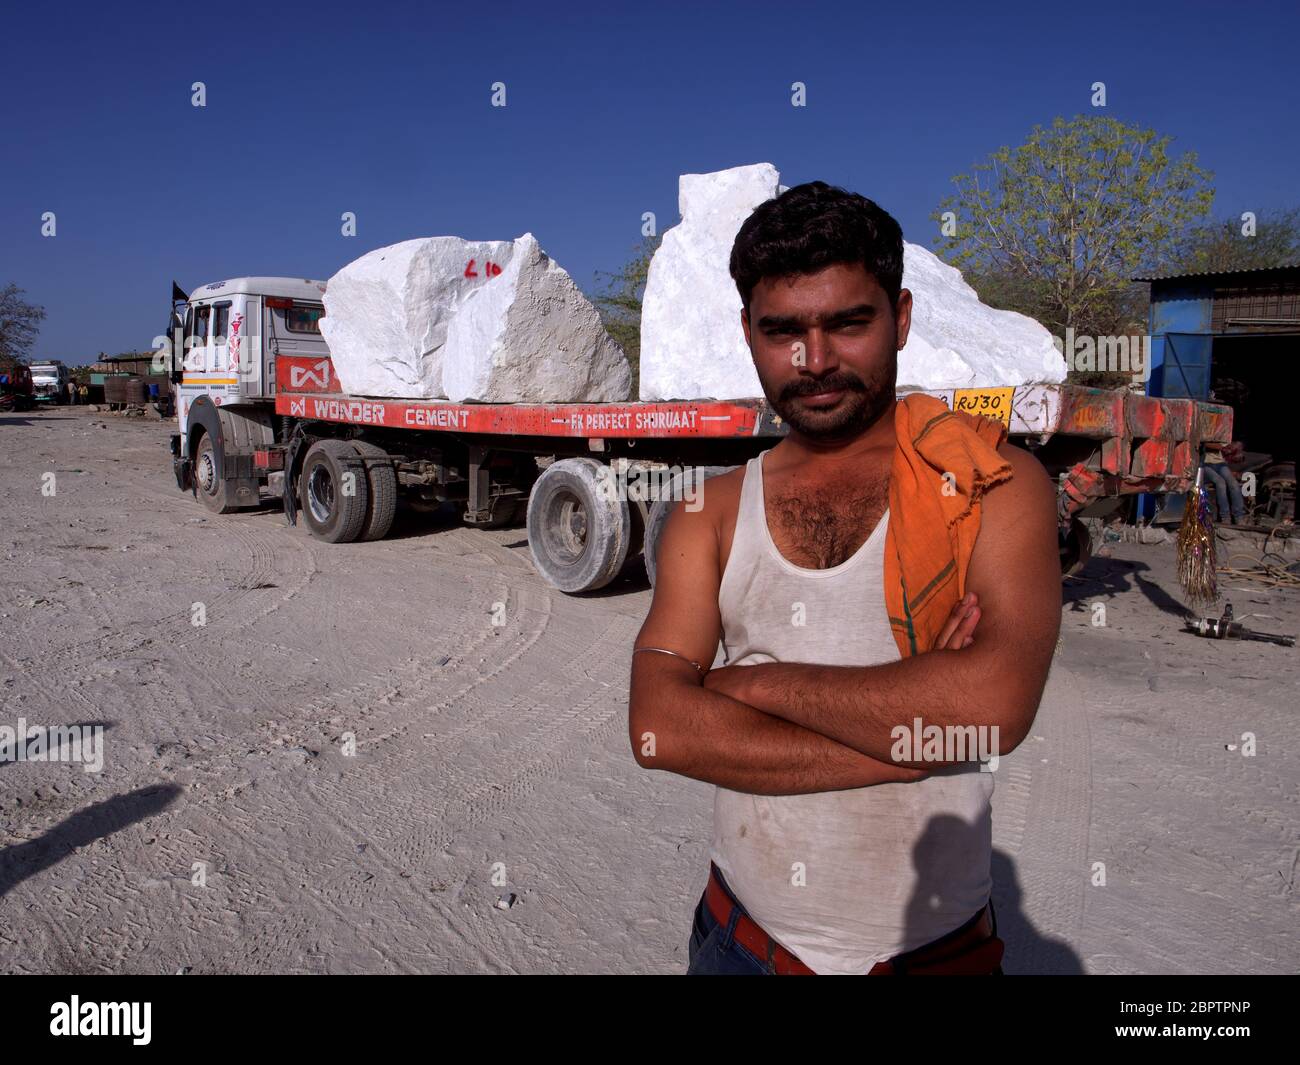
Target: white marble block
point(531, 336)
point(392, 322)
point(693, 346)
point(386, 313)
point(958, 342)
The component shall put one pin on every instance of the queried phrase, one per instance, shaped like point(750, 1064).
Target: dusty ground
point(478, 745)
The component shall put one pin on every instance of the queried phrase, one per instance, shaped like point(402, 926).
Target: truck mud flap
point(297, 444)
point(184, 474)
point(181, 467)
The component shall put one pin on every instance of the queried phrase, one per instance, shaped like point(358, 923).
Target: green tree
point(619, 304)
point(1057, 227)
point(1224, 244)
point(20, 323)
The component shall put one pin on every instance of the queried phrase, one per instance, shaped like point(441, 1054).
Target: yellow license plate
point(991, 402)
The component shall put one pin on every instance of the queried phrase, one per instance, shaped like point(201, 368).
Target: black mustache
point(807, 386)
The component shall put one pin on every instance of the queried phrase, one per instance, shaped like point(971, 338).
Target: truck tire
point(330, 512)
point(662, 508)
point(639, 511)
point(381, 479)
point(578, 537)
point(209, 481)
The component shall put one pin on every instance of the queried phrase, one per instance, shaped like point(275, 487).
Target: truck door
point(248, 319)
point(220, 357)
point(198, 359)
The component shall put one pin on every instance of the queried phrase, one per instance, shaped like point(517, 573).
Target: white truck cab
point(50, 381)
point(224, 338)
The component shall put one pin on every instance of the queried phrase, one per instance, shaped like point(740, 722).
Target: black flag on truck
point(177, 295)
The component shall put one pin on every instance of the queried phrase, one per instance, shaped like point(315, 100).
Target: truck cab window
point(197, 337)
point(199, 323)
point(303, 319)
point(220, 322)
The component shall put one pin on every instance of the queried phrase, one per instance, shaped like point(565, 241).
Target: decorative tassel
point(1196, 548)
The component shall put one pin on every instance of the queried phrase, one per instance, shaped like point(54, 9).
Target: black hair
point(812, 226)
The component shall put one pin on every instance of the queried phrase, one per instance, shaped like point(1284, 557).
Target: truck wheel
point(333, 492)
point(381, 479)
point(638, 510)
point(578, 537)
point(663, 507)
point(209, 482)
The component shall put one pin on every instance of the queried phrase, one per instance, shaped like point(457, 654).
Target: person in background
point(72, 392)
point(1219, 477)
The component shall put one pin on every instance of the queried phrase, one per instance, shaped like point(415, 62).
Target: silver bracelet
point(675, 654)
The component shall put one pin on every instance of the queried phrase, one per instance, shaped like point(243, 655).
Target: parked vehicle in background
point(50, 381)
point(16, 392)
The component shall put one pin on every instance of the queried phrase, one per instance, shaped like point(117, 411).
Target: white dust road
point(229, 830)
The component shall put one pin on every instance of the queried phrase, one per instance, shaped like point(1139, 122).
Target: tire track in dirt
point(337, 890)
point(1051, 861)
point(480, 776)
point(402, 842)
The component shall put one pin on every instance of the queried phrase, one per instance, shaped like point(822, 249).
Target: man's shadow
point(947, 840)
point(22, 860)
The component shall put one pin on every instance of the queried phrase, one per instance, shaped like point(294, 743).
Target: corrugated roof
point(1220, 273)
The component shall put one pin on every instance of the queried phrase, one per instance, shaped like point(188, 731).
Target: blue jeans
point(713, 950)
point(1224, 484)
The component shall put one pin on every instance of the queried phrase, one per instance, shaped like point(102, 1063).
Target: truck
point(50, 381)
point(260, 407)
point(16, 391)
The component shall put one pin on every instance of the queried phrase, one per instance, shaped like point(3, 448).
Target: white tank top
point(884, 869)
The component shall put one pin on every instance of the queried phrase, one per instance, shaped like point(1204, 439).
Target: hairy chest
point(818, 527)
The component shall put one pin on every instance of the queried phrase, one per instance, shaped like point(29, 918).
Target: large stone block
point(386, 313)
point(958, 342)
point(531, 336)
point(693, 346)
point(445, 317)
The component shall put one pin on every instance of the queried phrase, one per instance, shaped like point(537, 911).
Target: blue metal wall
point(1180, 338)
point(1181, 344)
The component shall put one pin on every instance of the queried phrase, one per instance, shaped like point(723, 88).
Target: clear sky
point(384, 109)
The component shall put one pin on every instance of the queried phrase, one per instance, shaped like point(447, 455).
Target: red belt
point(971, 950)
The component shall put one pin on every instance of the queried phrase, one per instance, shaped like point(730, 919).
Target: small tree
point(619, 304)
point(1057, 227)
point(1270, 239)
point(20, 322)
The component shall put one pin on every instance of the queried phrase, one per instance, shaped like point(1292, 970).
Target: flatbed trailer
point(594, 481)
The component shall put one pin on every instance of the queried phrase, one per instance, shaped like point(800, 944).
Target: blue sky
point(384, 110)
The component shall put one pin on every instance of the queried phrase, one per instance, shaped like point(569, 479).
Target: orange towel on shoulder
point(931, 534)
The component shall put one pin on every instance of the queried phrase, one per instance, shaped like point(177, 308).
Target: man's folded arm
point(997, 681)
point(678, 725)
